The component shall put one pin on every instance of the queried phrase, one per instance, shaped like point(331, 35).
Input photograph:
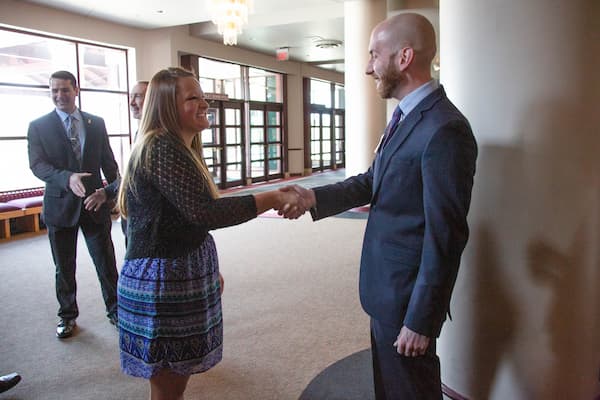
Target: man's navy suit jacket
point(52, 159)
point(419, 190)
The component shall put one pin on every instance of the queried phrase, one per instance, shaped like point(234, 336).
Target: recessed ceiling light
point(160, 11)
point(327, 43)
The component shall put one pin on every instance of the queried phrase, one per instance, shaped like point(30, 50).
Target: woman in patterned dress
point(169, 290)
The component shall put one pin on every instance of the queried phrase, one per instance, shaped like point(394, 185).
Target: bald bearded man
point(419, 191)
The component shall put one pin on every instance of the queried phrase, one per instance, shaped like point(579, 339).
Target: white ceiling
point(297, 24)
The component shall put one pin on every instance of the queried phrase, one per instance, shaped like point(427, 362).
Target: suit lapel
point(58, 129)
point(87, 123)
point(384, 156)
point(403, 131)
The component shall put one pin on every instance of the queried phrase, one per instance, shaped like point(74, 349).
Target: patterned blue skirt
point(170, 313)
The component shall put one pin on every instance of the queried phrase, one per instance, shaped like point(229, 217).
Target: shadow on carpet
point(351, 378)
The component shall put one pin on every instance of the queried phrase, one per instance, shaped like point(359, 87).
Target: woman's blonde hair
point(160, 120)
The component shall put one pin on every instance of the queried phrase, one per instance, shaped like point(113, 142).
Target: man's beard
point(389, 80)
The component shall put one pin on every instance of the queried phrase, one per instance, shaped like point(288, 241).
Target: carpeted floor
point(348, 379)
point(291, 310)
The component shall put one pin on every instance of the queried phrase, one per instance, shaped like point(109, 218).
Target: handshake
point(294, 200)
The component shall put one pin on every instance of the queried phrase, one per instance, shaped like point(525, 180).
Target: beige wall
point(158, 48)
point(526, 305)
point(42, 19)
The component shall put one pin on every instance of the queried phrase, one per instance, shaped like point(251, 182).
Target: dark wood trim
point(190, 62)
point(342, 113)
point(306, 122)
point(285, 163)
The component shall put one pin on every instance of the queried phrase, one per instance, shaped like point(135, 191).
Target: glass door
point(233, 140)
point(340, 138)
point(321, 151)
point(223, 143)
point(211, 144)
point(266, 143)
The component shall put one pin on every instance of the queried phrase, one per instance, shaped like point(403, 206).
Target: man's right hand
point(307, 201)
point(76, 183)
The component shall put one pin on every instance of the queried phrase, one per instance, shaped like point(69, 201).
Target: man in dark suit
point(67, 150)
point(419, 190)
point(136, 105)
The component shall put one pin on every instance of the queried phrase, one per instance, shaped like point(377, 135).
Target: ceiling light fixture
point(327, 43)
point(230, 16)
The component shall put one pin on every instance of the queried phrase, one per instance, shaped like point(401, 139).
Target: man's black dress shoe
point(8, 381)
point(65, 328)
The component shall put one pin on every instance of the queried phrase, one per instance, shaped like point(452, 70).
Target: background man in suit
point(136, 104)
point(67, 150)
point(136, 99)
point(419, 189)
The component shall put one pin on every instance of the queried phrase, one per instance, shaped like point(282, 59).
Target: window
point(26, 62)
point(265, 141)
point(320, 93)
point(265, 86)
point(340, 100)
point(326, 125)
point(221, 77)
point(245, 144)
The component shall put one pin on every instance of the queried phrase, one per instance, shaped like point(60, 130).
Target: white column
point(365, 110)
point(526, 305)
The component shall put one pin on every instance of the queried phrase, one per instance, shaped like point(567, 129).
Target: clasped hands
point(95, 200)
point(295, 201)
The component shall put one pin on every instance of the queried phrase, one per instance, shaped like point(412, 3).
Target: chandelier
point(230, 16)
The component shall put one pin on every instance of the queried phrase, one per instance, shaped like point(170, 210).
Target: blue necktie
point(393, 124)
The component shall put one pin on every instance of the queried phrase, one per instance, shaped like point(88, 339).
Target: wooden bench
point(7, 213)
point(23, 208)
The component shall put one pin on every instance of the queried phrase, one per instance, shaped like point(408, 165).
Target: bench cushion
point(8, 207)
point(27, 202)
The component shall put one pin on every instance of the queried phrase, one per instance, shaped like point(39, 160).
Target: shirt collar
point(63, 115)
point(411, 100)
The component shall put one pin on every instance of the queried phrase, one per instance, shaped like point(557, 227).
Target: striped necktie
point(74, 137)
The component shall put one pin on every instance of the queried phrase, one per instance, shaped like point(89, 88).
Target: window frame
point(120, 153)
